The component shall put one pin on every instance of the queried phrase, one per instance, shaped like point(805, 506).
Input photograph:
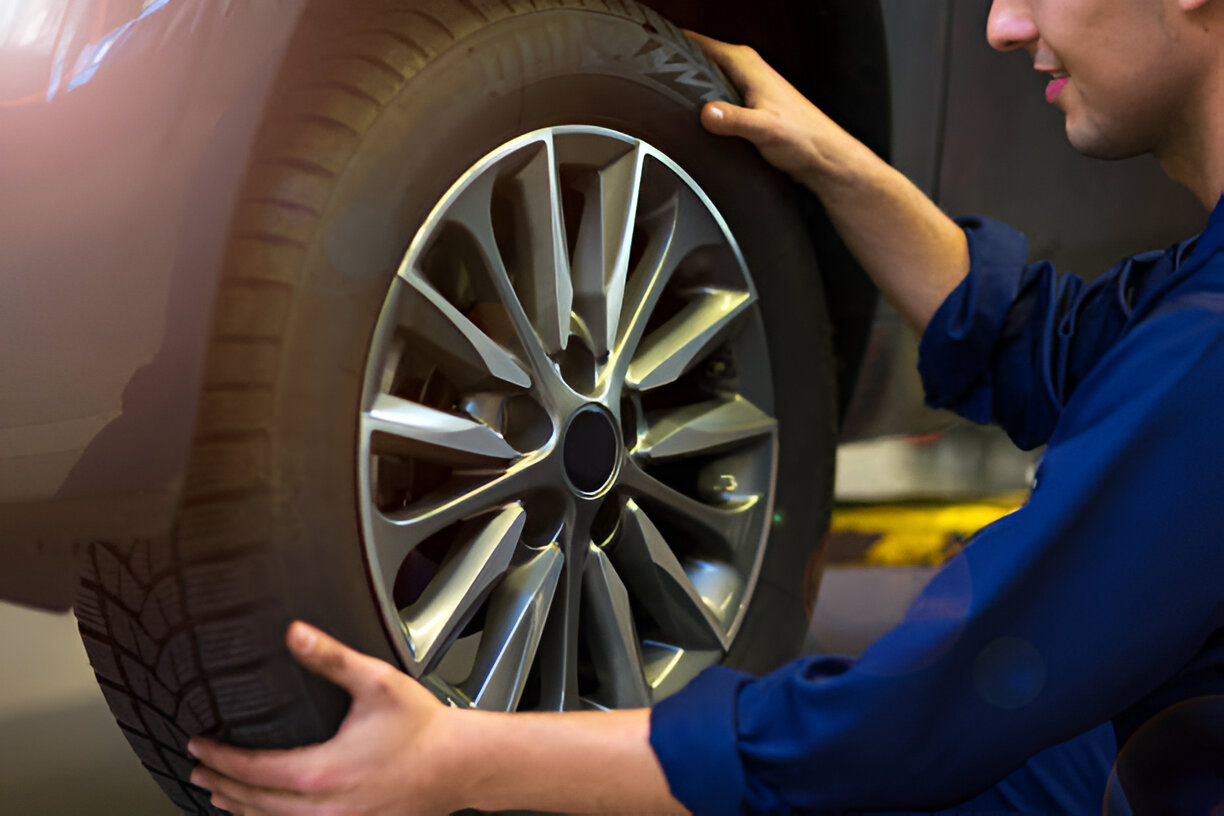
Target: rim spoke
point(670, 668)
point(605, 235)
point(674, 347)
point(473, 210)
point(543, 266)
point(608, 622)
point(704, 428)
point(397, 534)
point(646, 563)
point(558, 653)
point(415, 429)
point(449, 334)
point(481, 555)
point(514, 624)
point(676, 229)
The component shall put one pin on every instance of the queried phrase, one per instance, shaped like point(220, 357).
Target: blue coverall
point(1090, 618)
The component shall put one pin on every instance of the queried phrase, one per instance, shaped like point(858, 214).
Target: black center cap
point(591, 450)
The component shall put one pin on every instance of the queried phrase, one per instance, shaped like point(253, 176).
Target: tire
point(381, 107)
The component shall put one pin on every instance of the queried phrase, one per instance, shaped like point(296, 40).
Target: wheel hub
point(590, 450)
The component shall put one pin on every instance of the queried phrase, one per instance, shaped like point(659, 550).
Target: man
point(1091, 619)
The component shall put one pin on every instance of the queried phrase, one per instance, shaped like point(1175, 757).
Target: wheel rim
point(567, 447)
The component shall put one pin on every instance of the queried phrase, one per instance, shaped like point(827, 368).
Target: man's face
point(1118, 69)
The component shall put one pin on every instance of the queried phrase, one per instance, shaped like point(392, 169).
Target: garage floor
point(61, 753)
point(904, 505)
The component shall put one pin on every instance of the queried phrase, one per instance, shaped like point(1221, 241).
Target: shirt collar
point(1212, 238)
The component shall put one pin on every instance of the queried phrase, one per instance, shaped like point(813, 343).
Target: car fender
point(124, 132)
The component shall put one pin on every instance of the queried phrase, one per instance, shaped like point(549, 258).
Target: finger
point(741, 64)
point(701, 39)
point(714, 118)
point(331, 659)
point(246, 800)
point(221, 803)
point(295, 769)
point(725, 119)
point(708, 44)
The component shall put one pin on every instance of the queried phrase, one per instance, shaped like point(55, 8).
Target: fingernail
point(303, 637)
point(190, 752)
point(717, 114)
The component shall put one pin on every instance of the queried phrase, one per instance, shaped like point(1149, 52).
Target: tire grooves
point(125, 652)
point(429, 18)
point(351, 90)
point(324, 121)
point(269, 238)
point(380, 64)
point(159, 757)
point(299, 164)
point(248, 339)
point(196, 581)
point(472, 7)
point(251, 339)
point(404, 40)
point(229, 436)
point(210, 698)
point(235, 388)
point(219, 496)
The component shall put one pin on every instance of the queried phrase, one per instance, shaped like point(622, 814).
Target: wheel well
point(834, 52)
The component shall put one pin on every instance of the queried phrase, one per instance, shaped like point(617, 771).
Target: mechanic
point(1074, 649)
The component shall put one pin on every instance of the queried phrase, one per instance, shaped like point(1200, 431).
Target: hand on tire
point(784, 126)
point(384, 759)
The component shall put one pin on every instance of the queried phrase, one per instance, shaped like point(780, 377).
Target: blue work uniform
point(1092, 618)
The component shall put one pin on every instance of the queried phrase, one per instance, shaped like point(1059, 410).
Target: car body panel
point(124, 130)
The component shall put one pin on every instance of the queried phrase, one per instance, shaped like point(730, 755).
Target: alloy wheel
point(567, 445)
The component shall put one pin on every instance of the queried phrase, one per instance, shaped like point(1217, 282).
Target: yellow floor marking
point(920, 534)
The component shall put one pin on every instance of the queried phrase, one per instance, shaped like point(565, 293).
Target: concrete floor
point(61, 753)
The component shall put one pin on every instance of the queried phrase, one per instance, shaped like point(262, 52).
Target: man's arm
point(401, 751)
point(915, 254)
point(575, 762)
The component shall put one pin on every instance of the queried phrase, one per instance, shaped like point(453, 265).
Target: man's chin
point(1094, 144)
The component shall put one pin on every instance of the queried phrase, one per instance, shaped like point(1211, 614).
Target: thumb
point(725, 119)
point(328, 657)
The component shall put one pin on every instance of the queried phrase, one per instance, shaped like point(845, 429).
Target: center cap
point(590, 449)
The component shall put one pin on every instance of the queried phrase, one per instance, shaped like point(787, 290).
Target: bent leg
point(1068, 778)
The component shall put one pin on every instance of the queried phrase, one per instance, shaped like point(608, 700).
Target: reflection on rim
point(567, 448)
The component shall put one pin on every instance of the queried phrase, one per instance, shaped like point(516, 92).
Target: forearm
point(914, 253)
point(577, 762)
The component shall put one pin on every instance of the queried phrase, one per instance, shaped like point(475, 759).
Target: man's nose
point(1010, 25)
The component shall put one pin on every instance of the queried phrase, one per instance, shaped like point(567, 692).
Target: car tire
point(381, 106)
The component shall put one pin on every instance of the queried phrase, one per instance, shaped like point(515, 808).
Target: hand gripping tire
point(613, 473)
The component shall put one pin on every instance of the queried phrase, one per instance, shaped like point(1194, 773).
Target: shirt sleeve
point(1012, 342)
point(1043, 627)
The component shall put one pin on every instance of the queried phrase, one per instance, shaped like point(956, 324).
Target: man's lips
point(1055, 88)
